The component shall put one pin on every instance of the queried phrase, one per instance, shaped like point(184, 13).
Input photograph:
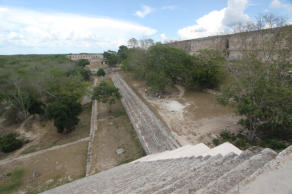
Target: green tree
point(64, 111)
point(206, 70)
point(85, 73)
point(111, 58)
point(100, 72)
point(83, 62)
point(123, 53)
point(106, 93)
point(261, 88)
point(35, 105)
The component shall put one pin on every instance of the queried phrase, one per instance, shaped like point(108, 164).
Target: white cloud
point(279, 4)
point(26, 30)
point(163, 37)
point(217, 21)
point(145, 11)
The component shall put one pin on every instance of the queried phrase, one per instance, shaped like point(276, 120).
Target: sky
point(94, 26)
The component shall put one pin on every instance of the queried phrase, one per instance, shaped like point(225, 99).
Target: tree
point(206, 70)
point(123, 53)
point(111, 58)
point(35, 105)
point(64, 111)
point(83, 62)
point(106, 93)
point(100, 72)
point(133, 43)
point(261, 87)
point(85, 73)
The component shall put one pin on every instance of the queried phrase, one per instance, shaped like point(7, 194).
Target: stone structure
point(200, 173)
point(93, 129)
point(94, 59)
point(154, 136)
point(232, 45)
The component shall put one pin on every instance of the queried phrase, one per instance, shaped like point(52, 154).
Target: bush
point(9, 143)
point(241, 143)
point(100, 73)
point(216, 141)
point(83, 62)
point(85, 73)
point(35, 106)
point(274, 144)
point(64, 111)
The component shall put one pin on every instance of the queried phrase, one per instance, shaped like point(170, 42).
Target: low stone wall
point(153, 134)
point(93, 128)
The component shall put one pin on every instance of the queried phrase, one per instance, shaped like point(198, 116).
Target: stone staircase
point(188, 169)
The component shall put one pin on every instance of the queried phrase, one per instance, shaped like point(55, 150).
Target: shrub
point(64, 111)
point(35, 106)
point(241, 143)
point(274, 144)
point(100, 73)
point(10, 143)
point(216, 141)
point(85, 73)
point(83, 62)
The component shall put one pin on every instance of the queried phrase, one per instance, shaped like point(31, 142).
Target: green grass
point(12, 182)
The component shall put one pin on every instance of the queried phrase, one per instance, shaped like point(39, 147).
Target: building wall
point(96, 59)
point(232, 45)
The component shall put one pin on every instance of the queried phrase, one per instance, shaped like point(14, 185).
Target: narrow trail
point(9, 160)
point(93, 128)
point(153, 134)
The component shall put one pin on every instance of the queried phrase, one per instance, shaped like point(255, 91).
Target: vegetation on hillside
point(35, 84)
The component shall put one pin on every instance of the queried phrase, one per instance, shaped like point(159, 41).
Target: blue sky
point(73, 26)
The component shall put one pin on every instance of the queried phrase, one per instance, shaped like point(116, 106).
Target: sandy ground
point(193, 117)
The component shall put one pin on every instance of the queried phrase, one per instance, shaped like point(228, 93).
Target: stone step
point(179, 180)
point(182, 152)
point(273, 178)
point(169, 177)
point(224, 149)
point(237, 174)
point(166, 170)
point(214, 172)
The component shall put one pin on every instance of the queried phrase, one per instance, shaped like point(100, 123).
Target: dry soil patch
point(192, 116)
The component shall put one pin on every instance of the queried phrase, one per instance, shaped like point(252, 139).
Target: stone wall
point(233, 45)
point(154, 136)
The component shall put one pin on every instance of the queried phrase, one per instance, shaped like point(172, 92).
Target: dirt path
point(153, 134)
point(9, 160)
